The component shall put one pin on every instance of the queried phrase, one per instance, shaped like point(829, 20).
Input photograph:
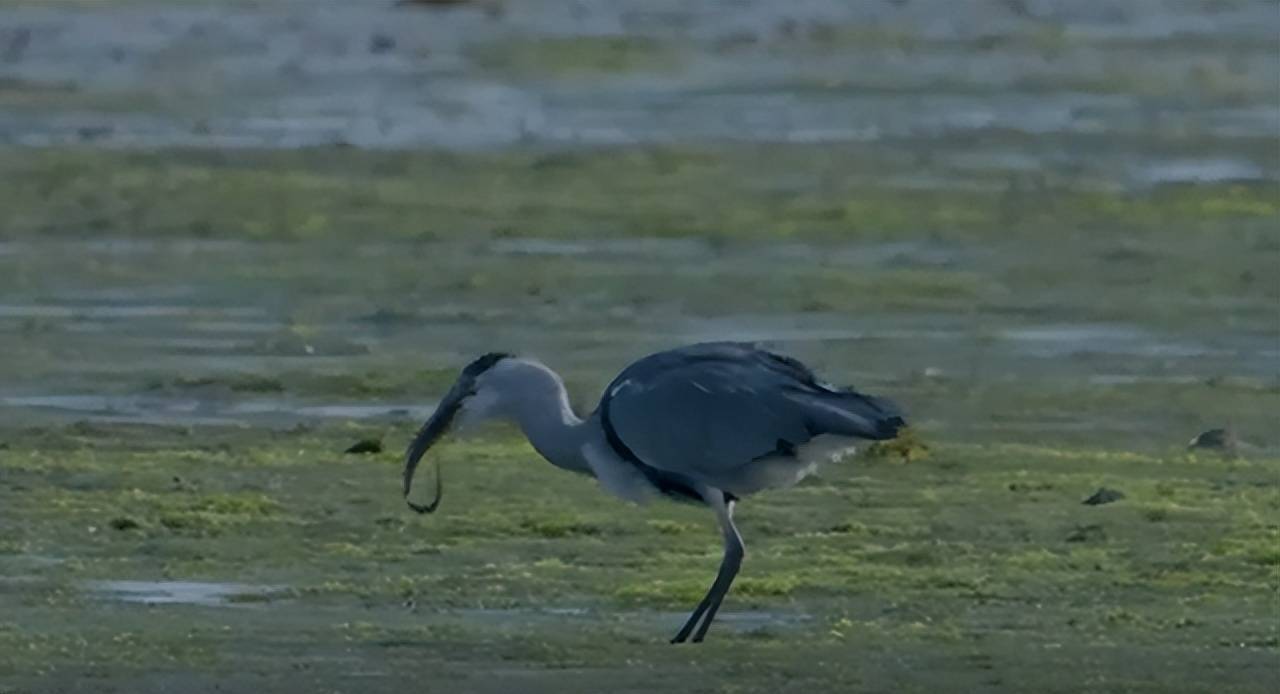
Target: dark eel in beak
point(439, 424)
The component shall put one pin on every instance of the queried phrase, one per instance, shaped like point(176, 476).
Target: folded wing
point(706, 411)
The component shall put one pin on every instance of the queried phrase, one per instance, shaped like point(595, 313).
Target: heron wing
point(705, 410)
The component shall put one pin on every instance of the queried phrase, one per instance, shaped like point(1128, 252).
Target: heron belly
point(782, 470)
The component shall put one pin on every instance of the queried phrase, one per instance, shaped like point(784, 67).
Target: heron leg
point(733, 554)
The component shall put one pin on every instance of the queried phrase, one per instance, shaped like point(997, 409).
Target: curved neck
point(551, 426)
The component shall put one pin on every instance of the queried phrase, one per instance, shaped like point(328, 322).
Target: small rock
point(381, 43)
point(124, 523)
point(365, 446)
point(89, 133)
point(1215, 440)
point(1103, 496)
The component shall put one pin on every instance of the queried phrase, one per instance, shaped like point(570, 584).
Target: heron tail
point(848, 413)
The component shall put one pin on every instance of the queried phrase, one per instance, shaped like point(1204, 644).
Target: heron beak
point(431, 431)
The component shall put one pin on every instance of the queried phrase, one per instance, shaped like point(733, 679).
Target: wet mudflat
point(139, 558)
point(236, 239)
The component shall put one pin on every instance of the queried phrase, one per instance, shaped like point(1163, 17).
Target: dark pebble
point(1103, 496)
point(365, 446)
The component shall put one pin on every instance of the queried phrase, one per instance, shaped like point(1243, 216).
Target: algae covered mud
point(237, 238)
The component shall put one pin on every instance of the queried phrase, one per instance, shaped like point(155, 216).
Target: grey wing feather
point(708, 409)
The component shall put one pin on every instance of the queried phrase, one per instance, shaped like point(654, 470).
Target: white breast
point(617, 476)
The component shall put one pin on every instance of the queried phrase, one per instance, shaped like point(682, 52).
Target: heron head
point(475, 395)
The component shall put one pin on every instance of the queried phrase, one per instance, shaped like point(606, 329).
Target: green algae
point(663, 191)
point(974, 541)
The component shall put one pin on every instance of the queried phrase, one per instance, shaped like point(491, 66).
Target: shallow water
point(236, 595)
point(180, 592)
point(1095, 80)
point(167, 333)
point(223, 411)
point(657, 620)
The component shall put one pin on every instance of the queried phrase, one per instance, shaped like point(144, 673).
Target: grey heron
point(707, 423)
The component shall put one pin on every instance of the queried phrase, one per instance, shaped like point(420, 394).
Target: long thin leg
point(733, 548)
point(733, 554)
